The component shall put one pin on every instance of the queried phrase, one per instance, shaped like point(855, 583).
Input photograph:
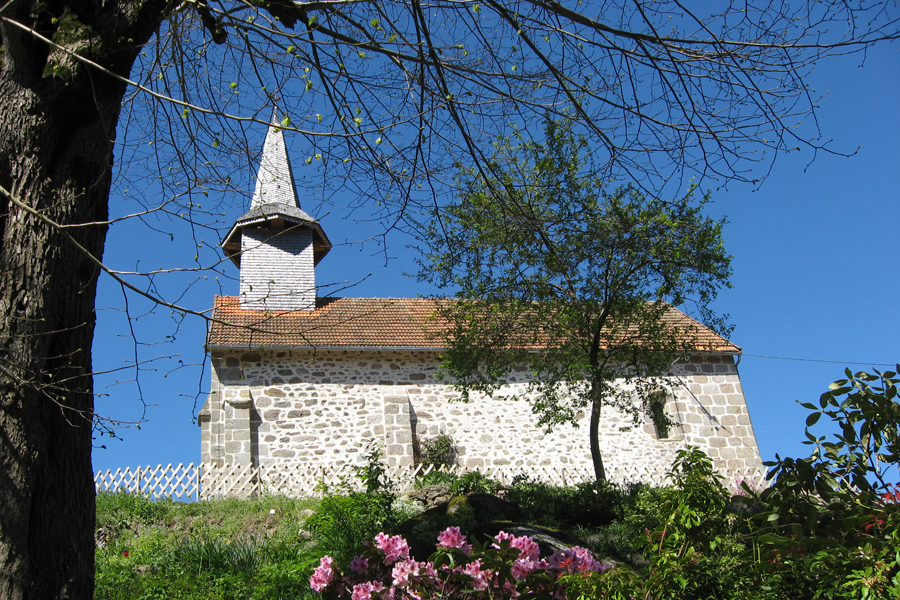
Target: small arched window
point(657, 413)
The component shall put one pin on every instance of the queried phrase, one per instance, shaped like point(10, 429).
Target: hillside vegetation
point(828, 527)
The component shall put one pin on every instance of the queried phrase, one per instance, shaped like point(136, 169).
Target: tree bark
point(56, 138)
point(596, 456)
point(47, 294)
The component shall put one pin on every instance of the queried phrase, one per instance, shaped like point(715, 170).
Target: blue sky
point(815, 280)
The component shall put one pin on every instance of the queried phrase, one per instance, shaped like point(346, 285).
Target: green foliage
point(830, 524)
point(474, 482)
point(117, 508)
point(619, 583)
point(218, 555)
point(542, 255)
point(373, 472)
point(590, 504)
point(343, 523)
point(436, 452)
point(220, 549)
point(435, 478)
point(697, 553)
point(284, 581)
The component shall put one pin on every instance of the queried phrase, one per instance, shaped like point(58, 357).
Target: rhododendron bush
point(504, 567)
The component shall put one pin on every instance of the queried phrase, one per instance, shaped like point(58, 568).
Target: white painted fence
point(198, 482)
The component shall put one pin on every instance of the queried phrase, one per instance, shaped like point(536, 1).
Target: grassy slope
point(217, 550)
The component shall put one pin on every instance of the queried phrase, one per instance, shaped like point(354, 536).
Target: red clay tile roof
point(370, 323)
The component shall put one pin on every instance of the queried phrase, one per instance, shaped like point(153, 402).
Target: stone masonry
point(290, 408)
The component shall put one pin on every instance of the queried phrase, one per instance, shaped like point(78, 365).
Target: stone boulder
point(548, 540)
point(431, 496)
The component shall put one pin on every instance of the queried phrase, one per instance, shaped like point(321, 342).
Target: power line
point(836, 362)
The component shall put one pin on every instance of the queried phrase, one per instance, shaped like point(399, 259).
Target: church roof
point(374, 323)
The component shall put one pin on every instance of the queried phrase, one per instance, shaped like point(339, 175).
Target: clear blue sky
point(815, 279)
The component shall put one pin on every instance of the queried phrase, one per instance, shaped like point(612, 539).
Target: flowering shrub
point(505, 567)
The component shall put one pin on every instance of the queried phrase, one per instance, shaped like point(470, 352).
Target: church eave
point(231, 244)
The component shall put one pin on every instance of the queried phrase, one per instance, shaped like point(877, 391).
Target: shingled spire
point(275, 180)
point(276, 245)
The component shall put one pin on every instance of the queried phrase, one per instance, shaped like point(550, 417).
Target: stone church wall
point(287, 409)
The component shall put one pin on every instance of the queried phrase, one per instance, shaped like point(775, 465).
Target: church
point(301, 385)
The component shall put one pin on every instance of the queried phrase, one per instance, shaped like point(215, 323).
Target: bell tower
point(275, 244)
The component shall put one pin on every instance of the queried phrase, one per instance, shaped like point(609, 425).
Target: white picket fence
point(198, 482)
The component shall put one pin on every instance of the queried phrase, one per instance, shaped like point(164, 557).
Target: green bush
point(589, 504)
point(436, 452)
point(830, 523)
point(475, 483)
point(698, 552)
point(435, 478)
point(343, 524)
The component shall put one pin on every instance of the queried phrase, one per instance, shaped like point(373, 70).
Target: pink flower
point(429, 571)
point(393, 547)
point(403, 570)
point(363, 591)
point(528, 548)
point(453, 538)
point(323, 575)
point(575, 560)
point(481, 580)
point(360, 565)
point(523, 567)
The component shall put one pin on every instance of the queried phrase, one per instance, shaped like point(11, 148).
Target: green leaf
point(286, 122)
point(812, 419)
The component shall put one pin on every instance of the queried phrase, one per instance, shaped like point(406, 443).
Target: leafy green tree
point(544, 257)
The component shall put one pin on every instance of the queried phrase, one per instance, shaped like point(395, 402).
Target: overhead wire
point(838, 362)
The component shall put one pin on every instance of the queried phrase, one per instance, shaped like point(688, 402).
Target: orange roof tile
point(398, 323)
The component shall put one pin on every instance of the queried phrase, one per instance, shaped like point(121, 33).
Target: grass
point(220, 550)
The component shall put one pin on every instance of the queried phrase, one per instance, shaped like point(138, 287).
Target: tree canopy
point(554, 272)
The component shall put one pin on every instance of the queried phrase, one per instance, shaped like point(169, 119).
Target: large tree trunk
point(57, 126)
point(47, 299)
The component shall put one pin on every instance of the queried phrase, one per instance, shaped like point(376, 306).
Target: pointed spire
point(275, 180)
